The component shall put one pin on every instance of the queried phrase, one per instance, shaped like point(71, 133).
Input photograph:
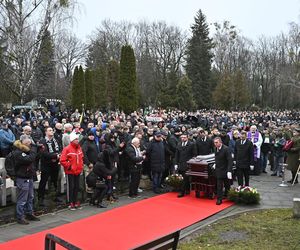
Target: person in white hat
point(72, 161)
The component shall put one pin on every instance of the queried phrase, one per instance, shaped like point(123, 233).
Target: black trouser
point(167, 172)
point(5, 152)
point(99, 194)
point(48, 171)
point(294, 173)
point(135, 177)
point(186, 182)
point(222, 182)
point(73, 183)
point(241, 173)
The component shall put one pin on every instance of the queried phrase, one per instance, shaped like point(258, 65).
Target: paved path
point(272, 196)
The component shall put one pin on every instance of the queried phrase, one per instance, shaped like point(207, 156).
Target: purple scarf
point(254, 140)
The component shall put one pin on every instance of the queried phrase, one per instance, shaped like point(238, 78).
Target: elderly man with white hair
point(256, 138)
point(135, 160)
point(68, 128)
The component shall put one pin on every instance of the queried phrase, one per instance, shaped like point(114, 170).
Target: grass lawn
point(265, 229)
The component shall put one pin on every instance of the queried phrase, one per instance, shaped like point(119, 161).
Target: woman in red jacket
point(72, 161)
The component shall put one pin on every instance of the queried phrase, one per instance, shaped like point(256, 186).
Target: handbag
point(100, 183)
point(91, 179)
point(288, 145)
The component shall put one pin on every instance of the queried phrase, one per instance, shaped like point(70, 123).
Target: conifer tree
point(99, 80)
point(112, 82)
point(128, 90)
point(44, 80)
point(78, 88)
point(89, 89)
point(221, 94)
point(232, 91)
point(184, 94)
point(198, 58)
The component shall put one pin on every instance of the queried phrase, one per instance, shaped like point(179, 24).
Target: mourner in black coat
point(24, 157)
point(156, 155)
point(244, 157)
point(185, 151)
point(96, 180)
point(223, 168)
point(90, 150)
point(204, 144)
point(50, 153)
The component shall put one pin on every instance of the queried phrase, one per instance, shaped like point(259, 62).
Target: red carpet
point(128, 226)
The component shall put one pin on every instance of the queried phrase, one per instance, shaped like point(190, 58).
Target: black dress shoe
point(180, 195)
point(41, 203)
point(115, 197)
point(157, 191)
point(291, 181)
point(22, 222)
point(101, 205)
point(57, 199)
point(219, 202)
point(32, 217)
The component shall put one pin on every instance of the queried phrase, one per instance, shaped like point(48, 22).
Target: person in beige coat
point(293, 155)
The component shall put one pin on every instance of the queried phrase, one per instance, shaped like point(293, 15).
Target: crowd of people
point(112, 147)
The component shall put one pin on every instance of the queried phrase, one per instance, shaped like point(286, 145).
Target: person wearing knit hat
point(73, 137)
point(72, 161)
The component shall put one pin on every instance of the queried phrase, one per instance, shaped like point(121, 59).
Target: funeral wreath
point(244, 195)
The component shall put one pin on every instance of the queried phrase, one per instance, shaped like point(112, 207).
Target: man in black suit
point(244, 157)
point(204, 144)
point(185, 151)
point(223, 168)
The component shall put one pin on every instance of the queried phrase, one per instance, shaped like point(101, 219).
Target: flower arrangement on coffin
point(174, 180)
point(244, 195)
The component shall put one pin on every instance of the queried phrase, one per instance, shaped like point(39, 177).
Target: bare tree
point(23, 24)
point(70, 51)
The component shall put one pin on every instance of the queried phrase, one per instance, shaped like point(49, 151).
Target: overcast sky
point(252, 17)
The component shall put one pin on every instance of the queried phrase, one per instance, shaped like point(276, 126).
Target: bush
point(244, 195)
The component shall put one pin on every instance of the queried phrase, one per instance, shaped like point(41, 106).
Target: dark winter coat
point(24, 160)
point(244, 154)
point(183, 154)
point(90, 152)
point(49, 152)
point(223, 161)
point(132, 160)
point(156, 155)
point(204, 146)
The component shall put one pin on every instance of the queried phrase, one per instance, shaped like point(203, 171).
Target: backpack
point(10, 165)
point(288, 145)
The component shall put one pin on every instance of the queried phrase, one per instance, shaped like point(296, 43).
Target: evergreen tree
point(240, 92)
point(198, 58)
point(44, 80)
point(221, 94)
point(167, 94)
point(112, 82)
point(232, 91)
point(89, 89)
point(184, 94)
point(78, 88)
point(99, 79)
point(128, 90)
